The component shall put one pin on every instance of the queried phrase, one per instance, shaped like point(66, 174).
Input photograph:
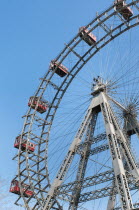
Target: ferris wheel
point(76, 149)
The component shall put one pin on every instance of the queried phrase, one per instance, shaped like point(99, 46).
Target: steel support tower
point(125, 173)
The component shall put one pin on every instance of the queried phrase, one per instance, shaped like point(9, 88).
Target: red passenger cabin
point(59, 69)
point(14, 188)
point(124, 10)
point(24, 144)
point(39, 104)
point(89, 38)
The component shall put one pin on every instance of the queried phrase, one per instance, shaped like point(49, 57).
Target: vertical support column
point(67, 161)
point(121, 181)
point(83, 162)
point(111, 202)
point(125, 147)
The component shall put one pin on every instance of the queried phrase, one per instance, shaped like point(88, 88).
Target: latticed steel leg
point(83, 162)
point(131, 125)
point(111, 201)
point(112, 129)
point(125, 147)
point(67, 161)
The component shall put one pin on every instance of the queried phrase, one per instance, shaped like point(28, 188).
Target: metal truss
point(115, 137)
point(32, 166)
point(83, 162)
point(88, 182)
point(93, 195)
point(92, 140)
point(95, 150)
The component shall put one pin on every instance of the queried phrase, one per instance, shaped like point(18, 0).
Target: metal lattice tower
point(33, 167)
point(125, 171)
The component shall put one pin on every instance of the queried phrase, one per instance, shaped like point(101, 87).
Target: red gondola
point(30, 146)
point(89, 38)
point(14, 188)
point(59, 69)
point(124, 10)
point(39, 104)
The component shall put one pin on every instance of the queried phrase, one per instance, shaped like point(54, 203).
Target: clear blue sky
point(32, 33)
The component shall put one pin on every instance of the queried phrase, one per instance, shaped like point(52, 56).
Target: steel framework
point(33, 166)
point(120, 152)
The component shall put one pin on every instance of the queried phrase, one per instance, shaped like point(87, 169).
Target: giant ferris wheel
point(78, 145)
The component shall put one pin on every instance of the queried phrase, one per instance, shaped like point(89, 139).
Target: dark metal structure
point(33, 165)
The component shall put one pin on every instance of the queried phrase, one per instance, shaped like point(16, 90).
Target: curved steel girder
point(112, 34)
